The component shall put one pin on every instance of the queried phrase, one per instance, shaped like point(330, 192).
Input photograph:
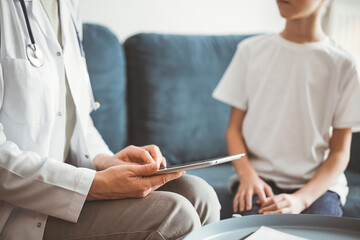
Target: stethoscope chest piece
point(34, 55)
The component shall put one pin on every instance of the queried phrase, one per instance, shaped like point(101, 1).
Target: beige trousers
point(171, 212)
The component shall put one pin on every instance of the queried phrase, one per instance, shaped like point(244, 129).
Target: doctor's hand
point(249, 186)
point(131, 155)
point(283, 203)
point(128, 181)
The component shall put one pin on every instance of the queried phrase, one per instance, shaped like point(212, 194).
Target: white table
point(307, 226)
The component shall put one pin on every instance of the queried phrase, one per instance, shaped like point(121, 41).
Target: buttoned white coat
point(34, 180)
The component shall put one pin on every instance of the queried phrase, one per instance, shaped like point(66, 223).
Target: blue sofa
point(156, 89)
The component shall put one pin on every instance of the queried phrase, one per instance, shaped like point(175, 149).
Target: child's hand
point(249, 186)
point(283, 203)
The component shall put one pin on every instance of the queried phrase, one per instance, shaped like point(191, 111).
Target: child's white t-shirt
point(293, 95)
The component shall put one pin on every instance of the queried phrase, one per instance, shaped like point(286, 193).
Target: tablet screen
point(199, 164)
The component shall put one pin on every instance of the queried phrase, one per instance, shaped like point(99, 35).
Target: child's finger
point(279, 211)
point(236, 203)
point(268, 191)
point(249, 197)
point(269, 208)
point(242, 201)
point(268, 202)
point(276, 203)
point(261, 194)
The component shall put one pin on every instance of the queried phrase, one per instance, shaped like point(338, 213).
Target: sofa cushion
point(354, 164)
point(352, 205)
point(218, 178)
point(170, 82)
point(106, 65)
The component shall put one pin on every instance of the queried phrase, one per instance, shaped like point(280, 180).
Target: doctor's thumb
point(145, 170)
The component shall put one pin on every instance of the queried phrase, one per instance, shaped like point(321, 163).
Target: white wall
point(127, 17)
point(344, 24)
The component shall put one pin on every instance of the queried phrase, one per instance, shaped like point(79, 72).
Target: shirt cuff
point(76, 203)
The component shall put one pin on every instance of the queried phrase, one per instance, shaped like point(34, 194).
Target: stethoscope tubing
point(33, 54)
point(29, 30)
point(34, 58)
point(23, 7)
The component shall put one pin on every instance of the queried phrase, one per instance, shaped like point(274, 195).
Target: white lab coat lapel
point(75, 65)
point(78, 80)
point(64, 11)
point(21, 223)
point(37, 13)
point(41, 18)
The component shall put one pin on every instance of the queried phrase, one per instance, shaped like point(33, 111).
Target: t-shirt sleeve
point(347, 113)
point(231, 88)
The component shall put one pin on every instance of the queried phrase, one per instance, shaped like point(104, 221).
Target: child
point(294, 98)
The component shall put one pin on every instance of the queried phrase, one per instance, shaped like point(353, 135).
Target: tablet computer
point(199, 164)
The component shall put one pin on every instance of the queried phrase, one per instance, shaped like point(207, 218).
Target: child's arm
point(331, 169)
point(250, 183)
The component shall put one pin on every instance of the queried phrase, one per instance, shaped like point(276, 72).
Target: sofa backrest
point(106, 65)
point(354, 164)
point(170, 82)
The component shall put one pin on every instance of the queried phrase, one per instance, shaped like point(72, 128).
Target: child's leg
point(328, 204)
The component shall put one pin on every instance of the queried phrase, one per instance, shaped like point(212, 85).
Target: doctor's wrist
point(96, 185)
point(102, 161)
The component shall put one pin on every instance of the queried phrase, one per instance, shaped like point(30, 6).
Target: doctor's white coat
point(34, 180)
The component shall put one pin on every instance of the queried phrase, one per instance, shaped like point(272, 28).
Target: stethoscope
point(33, 53)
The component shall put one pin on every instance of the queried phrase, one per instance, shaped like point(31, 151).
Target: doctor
point(45, 102)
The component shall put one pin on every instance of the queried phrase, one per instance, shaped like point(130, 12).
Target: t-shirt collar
point(301, 46)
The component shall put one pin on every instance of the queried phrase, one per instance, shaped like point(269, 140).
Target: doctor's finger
point(163, 162)
point(159, 180)
point(143, 156)
point(155, 153)
point(144, 170)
